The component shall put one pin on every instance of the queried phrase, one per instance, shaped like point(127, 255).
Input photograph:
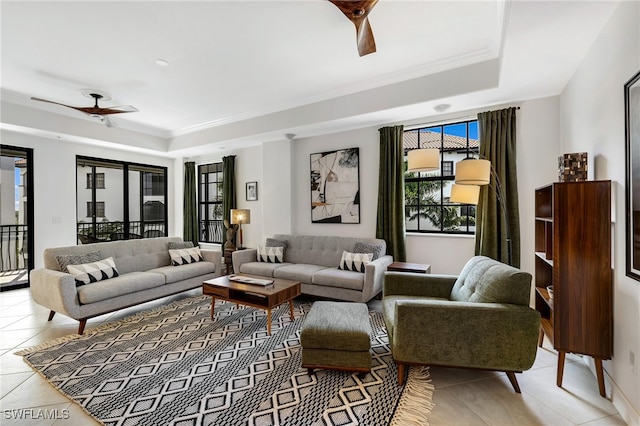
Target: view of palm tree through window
point(427, 204)
point(210, 218)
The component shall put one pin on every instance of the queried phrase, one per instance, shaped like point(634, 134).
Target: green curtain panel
point(390, 221)
point(228, 189)
point(190, 230)
point(497, 133)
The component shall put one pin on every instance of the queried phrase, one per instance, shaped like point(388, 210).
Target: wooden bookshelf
point(573, 253)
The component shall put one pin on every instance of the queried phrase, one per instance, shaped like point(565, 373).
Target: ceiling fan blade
point(106, 111)
point(51, 102)
point(357, 12)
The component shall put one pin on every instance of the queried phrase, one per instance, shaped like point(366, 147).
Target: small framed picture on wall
point(252, 191)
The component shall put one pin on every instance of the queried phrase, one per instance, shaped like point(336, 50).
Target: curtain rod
point(445, 122)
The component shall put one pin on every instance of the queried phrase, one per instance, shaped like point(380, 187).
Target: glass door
point(16, 216)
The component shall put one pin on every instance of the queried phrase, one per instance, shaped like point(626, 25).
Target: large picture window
point(427, 205)
point(132, 200)
point(210, 218)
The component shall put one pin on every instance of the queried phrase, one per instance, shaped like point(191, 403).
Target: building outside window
point(427, 205)
point(99, 181)
point(99, 209)
point(210, 218)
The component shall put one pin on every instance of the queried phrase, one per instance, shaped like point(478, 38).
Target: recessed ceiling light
point(162, 63)
point(442, 107)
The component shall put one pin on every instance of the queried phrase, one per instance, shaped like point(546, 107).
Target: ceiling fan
point(96, 111)
point(357, 12)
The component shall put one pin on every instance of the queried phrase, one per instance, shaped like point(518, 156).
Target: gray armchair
point(479, 319)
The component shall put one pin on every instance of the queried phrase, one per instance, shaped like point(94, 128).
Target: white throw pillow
point(354, 261)
point(270, 254)
point(88, 273)
point(185, 256)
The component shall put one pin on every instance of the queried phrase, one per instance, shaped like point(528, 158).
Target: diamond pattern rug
point(175, 366)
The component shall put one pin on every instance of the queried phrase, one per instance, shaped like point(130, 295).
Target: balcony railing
point(211, 231)
point(106, 231)
point(13, 247)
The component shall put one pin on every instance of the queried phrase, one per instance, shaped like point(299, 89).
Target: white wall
point(592, 119)
point(54, 169)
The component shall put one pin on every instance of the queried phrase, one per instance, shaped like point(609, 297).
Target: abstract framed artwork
point(632, 135)
point(335, 186)
point(252, 191)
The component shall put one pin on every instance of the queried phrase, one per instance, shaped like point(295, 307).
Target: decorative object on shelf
point(572, 167)
point(229, 244)
point(476, 172)
point(550, 291)
point(240, 217)
point(423, 160)
point(335, 186)
point(632, 134)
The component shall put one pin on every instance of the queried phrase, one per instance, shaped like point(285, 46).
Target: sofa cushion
point(65, 260)
point(261, 268)
point(272, 242)
point(124, 284)
point(354, 261)
point(177, 245)
point(174, 274)
point(88, 273)
point(185, 256)
point(334, 277)
point(486, 280)
point(299, 272)
point(270, 254)
point(373, 248)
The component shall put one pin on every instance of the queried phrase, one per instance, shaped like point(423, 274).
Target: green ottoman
point(337, 336)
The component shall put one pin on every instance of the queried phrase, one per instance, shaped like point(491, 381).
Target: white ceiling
point(250, 71)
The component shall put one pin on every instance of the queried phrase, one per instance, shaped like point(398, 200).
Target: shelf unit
point(573, 253)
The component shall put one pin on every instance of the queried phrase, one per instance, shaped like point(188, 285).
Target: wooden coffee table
point(257, 296)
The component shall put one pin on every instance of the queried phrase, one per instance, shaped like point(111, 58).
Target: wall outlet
point(632, 362)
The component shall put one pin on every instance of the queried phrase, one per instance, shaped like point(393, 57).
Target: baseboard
point(617, 397)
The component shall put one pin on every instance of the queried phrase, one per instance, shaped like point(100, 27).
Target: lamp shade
point(473, 172)
point(465, 194)
point(423, 160)
point(240, 216)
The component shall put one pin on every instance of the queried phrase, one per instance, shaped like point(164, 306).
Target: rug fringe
point(47, 345)
point(415, 403)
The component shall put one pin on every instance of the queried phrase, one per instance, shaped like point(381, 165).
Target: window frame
point(465, 211)
point(207, 226)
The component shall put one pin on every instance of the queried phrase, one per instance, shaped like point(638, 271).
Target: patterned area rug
point(175, 366)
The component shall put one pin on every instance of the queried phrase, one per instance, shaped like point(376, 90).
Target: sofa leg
point(514, 382)
point(51, 314)
point(401, 373)
point(81, 325)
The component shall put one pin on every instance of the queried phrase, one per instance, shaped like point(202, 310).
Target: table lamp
point(240, 217)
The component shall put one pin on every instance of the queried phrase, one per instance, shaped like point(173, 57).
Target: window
point(427, 205)
point(99, 208)
point(99, 181)
point(136, 199)
point(210, 202)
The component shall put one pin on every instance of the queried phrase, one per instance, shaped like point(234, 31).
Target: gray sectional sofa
point(144, 272)
point(314, 260)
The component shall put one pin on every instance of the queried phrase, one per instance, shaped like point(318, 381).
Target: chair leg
point(514, 382)
point(51, 314)
point(83, 323)
point(401, 373)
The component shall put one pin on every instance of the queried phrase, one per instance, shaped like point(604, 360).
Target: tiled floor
point(462, 397)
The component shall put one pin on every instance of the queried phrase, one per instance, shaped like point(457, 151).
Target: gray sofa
point(144, 271)
point(313, 260)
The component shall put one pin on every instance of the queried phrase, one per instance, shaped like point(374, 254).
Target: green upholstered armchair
point(479, 319)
